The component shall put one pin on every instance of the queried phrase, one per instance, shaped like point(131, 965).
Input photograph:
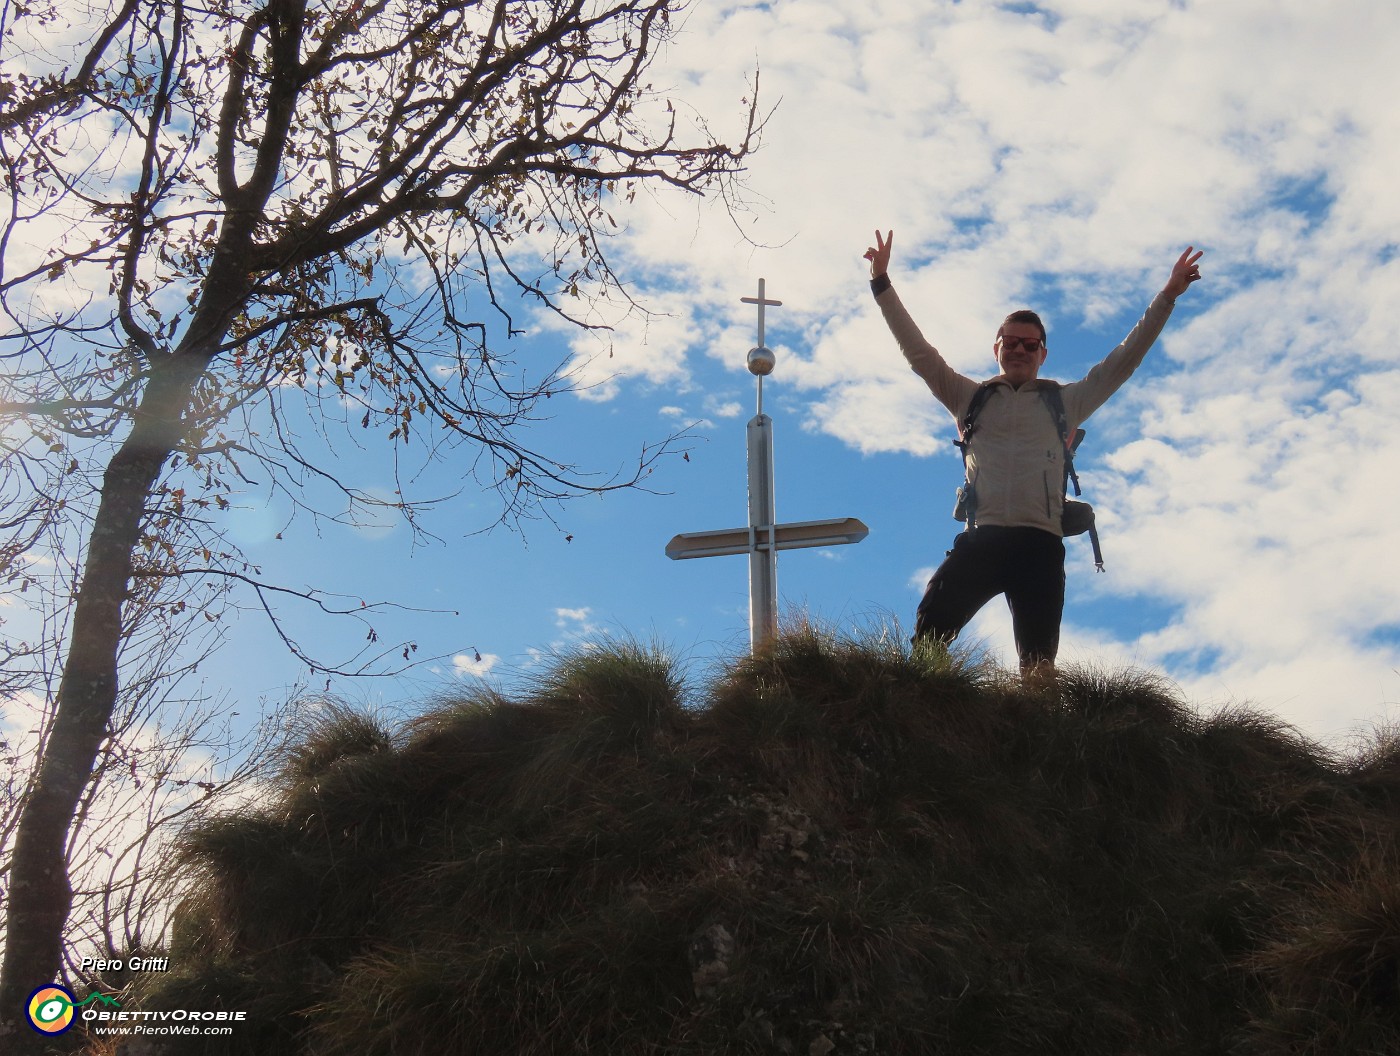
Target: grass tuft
point(329, 731)
point(840, 845)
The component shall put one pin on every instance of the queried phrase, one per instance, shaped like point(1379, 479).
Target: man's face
point(1019, 352)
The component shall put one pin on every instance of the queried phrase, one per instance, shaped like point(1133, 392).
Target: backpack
point(1077, 517)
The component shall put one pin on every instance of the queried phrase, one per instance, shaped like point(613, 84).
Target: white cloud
point(714, 407)
point(1064, 155)
point(918, 581)
point(475, 665)
point(1061, 155)
point(721, 408)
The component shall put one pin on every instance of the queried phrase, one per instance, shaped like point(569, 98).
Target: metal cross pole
point(763, 537)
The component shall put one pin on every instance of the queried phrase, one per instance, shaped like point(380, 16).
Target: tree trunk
point(40, 896)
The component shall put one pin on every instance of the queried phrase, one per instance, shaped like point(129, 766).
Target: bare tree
point(214, 210)
point(168, 758)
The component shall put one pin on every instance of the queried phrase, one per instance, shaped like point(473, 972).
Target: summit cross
point(762, 302)
point(762, 538)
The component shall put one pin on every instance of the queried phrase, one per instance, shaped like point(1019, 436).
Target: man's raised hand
point(1184, 272)
point(879, 254)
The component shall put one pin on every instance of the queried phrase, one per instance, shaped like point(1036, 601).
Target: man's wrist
point(880, 283)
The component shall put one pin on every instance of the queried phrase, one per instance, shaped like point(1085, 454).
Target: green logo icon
point(52, 1009)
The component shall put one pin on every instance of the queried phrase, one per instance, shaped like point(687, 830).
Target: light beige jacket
point(1015, 460)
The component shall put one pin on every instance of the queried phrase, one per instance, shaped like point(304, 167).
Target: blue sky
point(1058, 156)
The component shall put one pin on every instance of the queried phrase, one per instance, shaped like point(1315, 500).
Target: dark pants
point(1025, 564)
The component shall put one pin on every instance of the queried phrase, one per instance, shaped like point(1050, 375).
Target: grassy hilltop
point(837, 847)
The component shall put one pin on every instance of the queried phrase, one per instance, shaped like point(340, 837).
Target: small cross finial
point(762, 302)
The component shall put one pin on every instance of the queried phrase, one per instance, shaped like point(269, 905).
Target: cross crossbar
point(796, 535)
point(762, 537)
point(762, 302)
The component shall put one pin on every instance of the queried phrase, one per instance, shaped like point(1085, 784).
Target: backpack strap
point(1054, 402)
point(967, 425)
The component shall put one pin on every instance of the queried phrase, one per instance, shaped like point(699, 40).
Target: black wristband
point(880, 283)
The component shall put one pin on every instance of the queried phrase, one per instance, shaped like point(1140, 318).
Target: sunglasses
point(1030, 344)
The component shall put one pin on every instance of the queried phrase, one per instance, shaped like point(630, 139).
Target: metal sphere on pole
point(764, 537)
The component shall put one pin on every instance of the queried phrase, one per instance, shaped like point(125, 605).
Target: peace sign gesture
point(879, 255)
point(1184, 273)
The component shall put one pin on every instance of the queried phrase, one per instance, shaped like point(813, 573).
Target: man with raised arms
point(1015, 463)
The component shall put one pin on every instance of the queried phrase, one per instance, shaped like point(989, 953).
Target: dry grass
point(839, 847)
